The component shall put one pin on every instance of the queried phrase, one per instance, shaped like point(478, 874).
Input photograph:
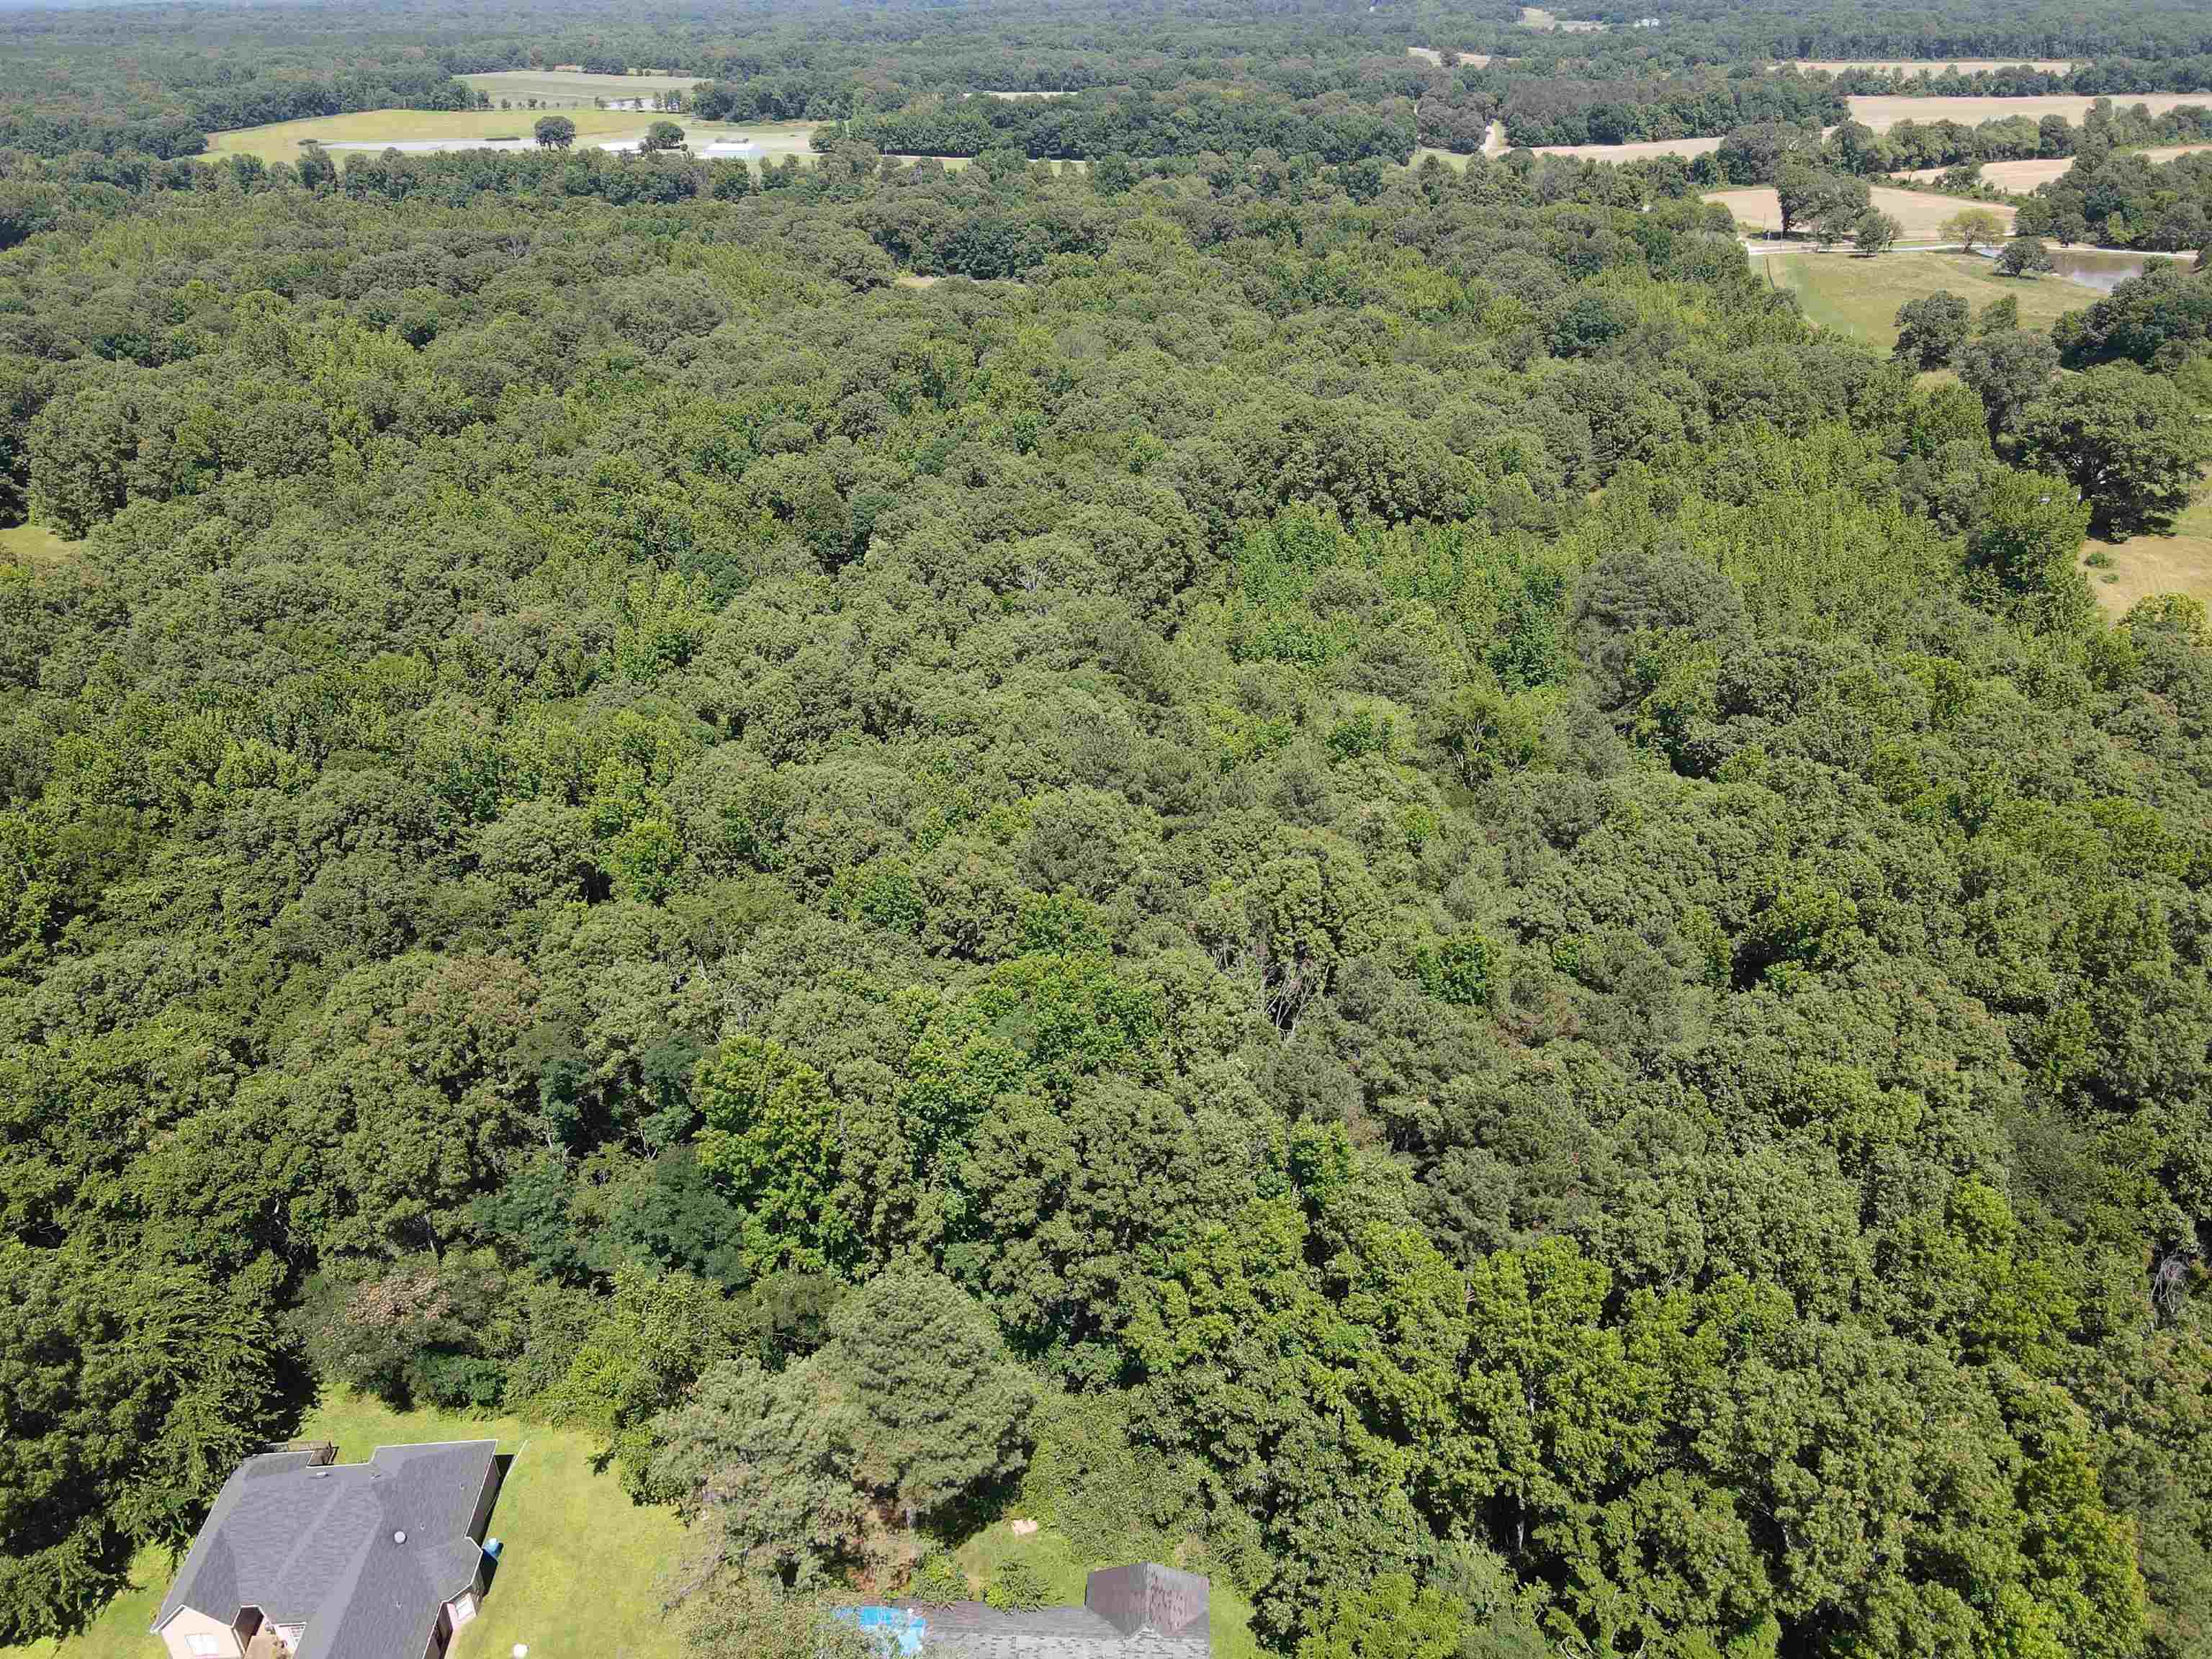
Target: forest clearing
point(1860, 296)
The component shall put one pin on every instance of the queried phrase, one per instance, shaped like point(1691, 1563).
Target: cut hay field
point(2020, 178)
point(1883, 110)
point(1431, 54)
point(1921, 215)
point(575, 87)
point(1860, 297)
point(1636, 152)
point(2179, 562)
point(1535, 17)
point(1911, 66)
point(462, 128)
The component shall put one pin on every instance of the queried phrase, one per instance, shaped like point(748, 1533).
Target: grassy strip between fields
point(584, 1572)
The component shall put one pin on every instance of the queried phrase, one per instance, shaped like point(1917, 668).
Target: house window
point(207, 1644)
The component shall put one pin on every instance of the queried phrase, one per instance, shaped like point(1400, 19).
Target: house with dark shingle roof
point(302, 1557)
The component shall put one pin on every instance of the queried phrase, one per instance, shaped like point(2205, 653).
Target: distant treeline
point(1580, 111)
point(1333, 127)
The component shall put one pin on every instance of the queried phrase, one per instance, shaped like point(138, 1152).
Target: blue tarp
point(897, 1628)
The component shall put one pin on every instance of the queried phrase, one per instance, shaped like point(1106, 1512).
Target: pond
point(2103, 271)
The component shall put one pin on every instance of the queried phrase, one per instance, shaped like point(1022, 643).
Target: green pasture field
point(1860, 296)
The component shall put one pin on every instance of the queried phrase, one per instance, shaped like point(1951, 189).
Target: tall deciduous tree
point(2129, 440)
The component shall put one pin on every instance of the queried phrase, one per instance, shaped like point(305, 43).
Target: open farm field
point(1638, 152)
point(1883, 110)
point(1535, 17)
point(414, 129)
point(1431, 54)
point(575, 86)
point(1860, 297)
point(1021, 97)
point(1910, 66)
point(420, 127)
point(2020, 178)
point(1921, 215)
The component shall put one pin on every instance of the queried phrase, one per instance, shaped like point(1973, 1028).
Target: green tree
point(554, 132)
point(2024, 256)
point(774, 1137)
point(1876, 232)
point(1974, 227)
point(1930, 331)
point(2007, 372)
point(661, 135)
point(935, 1408)
point(127, 1396)
point(2129, 440)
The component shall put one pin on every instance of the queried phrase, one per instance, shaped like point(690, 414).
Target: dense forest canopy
point(1356, 873)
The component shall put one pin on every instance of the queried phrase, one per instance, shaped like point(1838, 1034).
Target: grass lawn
point(32, 543)
point(582, 1572)
point(1860, 297)
point(2179, 562)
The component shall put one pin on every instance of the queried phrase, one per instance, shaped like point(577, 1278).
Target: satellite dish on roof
point(399, 1537)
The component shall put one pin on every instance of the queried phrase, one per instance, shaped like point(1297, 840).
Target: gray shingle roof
point(316, 1547)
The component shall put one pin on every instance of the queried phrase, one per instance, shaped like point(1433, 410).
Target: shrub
point(1018, 1587)
point(940, 1580)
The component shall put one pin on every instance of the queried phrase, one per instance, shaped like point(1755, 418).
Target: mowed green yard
point(582, 1572)
point(1860, 296)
